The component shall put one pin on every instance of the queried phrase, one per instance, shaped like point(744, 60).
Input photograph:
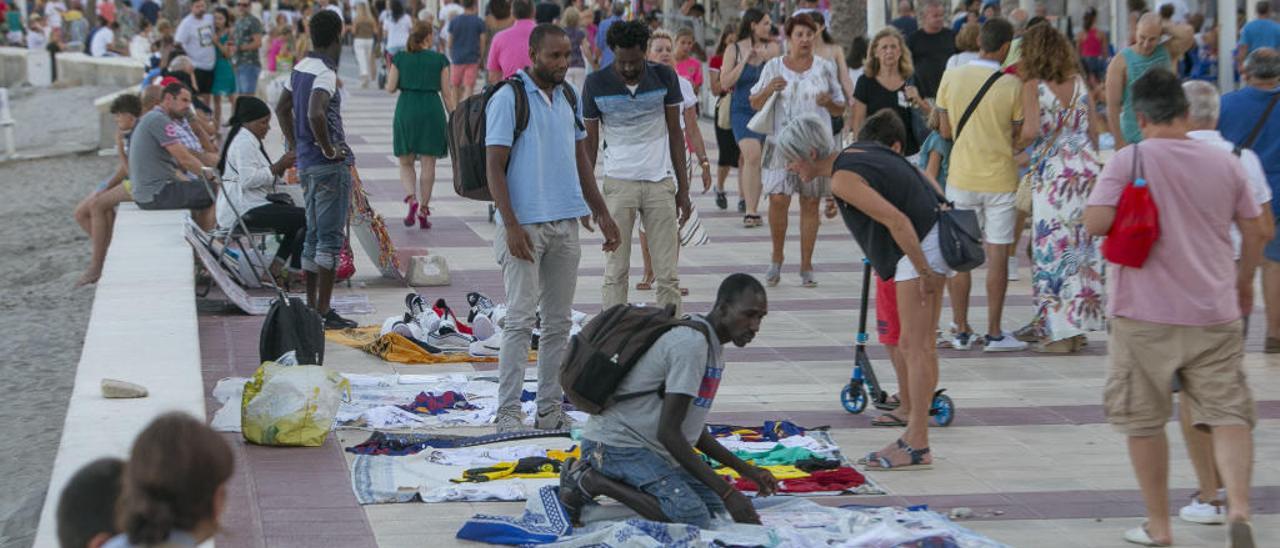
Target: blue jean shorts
point(326, 191)
point(247, 78)
point(654, 474)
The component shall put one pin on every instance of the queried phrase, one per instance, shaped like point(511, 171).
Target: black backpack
point(292, 325)
point(608, 347)
point(467, 131)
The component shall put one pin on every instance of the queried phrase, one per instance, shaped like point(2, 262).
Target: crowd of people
point(873, 130)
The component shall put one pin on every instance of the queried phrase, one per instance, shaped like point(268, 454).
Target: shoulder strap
point(1262, 121)
point(521, 104)
point(974, 104)
point(572, 97)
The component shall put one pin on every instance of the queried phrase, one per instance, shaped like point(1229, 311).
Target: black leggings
point(290, 222)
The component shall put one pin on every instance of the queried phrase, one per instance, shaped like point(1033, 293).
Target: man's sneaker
point(1209, 513)
point(415, 304)
point(510, 420)
point(553, 419)
point(722, 201)
point(449, 340)
point(480, 305)
point(333, 321)
point(483, 329)
point(1013, 269)
point(1004, 343)
point(742, 206)
point(486, 349)
point(442, 309)
point(962, 341)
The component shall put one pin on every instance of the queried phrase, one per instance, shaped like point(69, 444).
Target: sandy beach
point(44, 253)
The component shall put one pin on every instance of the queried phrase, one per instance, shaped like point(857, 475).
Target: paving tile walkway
point(1029, 452)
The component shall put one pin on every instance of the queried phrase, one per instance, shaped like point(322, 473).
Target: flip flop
point(644, 286)
point(1240, 534)
point(883, 464)
point(892, 422)
point(1139, 536)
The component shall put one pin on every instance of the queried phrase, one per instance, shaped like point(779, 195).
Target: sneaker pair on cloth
point(512, 420)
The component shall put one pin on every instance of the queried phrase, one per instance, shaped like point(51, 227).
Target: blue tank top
point(741, 101)
point(1135, 66)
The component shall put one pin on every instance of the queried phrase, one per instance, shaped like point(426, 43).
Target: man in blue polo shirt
point(606, 55)
point(638, 104)
point(310, 113)
point(540, 198)
point(1250, 118)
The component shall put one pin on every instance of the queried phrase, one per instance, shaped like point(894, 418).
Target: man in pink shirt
point(509, 51)
point(1178, 316)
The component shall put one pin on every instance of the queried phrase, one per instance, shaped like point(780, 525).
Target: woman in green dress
point(418, 131)
point(224, 77)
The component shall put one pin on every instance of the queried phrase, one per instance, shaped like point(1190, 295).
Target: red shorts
point(464, 75)
point(887, 324)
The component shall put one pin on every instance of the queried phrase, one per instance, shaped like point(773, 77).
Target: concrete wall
point(13, 66)
point(99, 71)
point(142, 329)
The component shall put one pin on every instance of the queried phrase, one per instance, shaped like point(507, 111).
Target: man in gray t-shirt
point(159, 160)
point(640, 451)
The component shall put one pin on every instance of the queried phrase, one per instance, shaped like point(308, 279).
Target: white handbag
point(762, 122)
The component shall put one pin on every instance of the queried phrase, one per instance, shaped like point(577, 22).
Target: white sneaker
point(962, 341)
point(486, 349)
point(1208, 513)
point(1013, 269)
point(510, 420)
point(1006, 343)
point(482, 328)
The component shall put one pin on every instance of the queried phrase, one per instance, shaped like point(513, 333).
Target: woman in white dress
point(805, 84)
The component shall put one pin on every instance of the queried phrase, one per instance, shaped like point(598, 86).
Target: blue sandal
point(917, 460)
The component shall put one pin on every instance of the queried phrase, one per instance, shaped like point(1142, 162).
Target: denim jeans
point(247, 78)
point(326, 191)
point(683, 498)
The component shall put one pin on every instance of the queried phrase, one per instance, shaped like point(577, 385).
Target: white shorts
point(996, 212)
point(932, 253)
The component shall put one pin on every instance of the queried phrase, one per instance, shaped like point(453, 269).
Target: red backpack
point(1137, 222)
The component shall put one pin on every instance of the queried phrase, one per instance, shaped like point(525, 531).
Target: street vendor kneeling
point(640, 451)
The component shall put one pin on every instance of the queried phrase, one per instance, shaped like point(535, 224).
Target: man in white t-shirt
point(195, 33)
point(103, 42)
point(448, 11)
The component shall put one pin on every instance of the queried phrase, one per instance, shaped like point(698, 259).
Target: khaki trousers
point(654, 203)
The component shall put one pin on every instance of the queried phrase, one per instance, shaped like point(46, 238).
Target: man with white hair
point(1206, 505)
point(1149, 50)
point(1247, 121)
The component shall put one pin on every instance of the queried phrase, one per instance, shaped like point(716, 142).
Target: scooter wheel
point(854, 398)
point(943, 410)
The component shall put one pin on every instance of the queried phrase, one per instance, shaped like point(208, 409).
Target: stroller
point(863, 386)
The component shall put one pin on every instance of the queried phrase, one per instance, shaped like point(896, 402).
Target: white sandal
point(1138, 535)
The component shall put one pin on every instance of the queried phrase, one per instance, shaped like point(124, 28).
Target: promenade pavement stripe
point(1039, 415)
point(1097, 504)
point(277, 496)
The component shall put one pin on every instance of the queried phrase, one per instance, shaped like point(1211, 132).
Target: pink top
point(1190, 276)
point(691, 70)
point(509, 51)
point(1091, 44)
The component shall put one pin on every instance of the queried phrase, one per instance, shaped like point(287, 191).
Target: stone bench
point(99, 71)
point(143, 329)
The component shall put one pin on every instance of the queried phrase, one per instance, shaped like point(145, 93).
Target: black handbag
point(960, 237)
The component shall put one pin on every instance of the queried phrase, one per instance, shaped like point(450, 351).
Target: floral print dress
point(1067, 271)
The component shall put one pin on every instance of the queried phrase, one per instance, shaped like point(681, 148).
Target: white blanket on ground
point(378, 479)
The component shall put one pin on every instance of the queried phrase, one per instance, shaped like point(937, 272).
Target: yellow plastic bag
point(291, 405)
